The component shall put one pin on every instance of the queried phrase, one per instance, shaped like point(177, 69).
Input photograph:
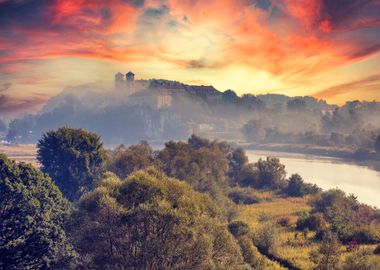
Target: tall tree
point(149, 221)
point(72, 158)
point(32, 213)
point(271, 173)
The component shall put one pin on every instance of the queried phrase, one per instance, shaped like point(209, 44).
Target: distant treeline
point(136, 208)
point(267, 118)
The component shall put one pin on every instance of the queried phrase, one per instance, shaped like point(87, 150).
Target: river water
point(330, 173)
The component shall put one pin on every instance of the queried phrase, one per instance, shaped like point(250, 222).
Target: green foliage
point(150, 221)
point(238, 228)
point(360, 260)
point(123, 161)
point(351, 220)
point(313, 222)
point(3, 127)
point(72, 158)
point(204, 168)
point(377, 250)
point(243, 196)
point(296, 187)
point(271, 173)
point(237, 161)
point(248, 176)
point(251, 254)
point(377, 144)
point(266, 238)
point(327, 257)
point(11, 136)
point(32, 214)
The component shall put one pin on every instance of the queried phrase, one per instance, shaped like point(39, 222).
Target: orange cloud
point(371, 83)
point(293, 41)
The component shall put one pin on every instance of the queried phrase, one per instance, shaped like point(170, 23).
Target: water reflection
point(329, 173)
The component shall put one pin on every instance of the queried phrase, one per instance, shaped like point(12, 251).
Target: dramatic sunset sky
point(326, 48)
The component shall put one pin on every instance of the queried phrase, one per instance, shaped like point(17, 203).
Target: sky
point(329, 49)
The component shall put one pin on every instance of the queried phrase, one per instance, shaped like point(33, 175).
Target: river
point(330, 173)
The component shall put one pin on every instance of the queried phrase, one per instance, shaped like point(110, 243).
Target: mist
point(128, 111)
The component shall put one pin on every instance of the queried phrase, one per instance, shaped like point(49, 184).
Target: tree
point(237, 161)
point(254, 130)
point(3, 127)
point(150, 221)
point(297, 187)
point(72, 158)
point(271, 173)
point(230, 97)
point(328, 256)
point(349, 219)
point(266, 238)
point(377, 144)
point(32, 215)
point(124, 161)
point(202, 167)
point(11, 136)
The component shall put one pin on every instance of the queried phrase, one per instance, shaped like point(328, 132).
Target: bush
point(271, 173)
point(349, 219)
point(314, 222)
point(238, 228)
point(360, 260)
point(266, 238)
point(296, 187)
point(123, 161)
point(283, 222)
point(150, 221)
point(327, 256)
point(250, 253)
point(244, 196)
point(377, 250)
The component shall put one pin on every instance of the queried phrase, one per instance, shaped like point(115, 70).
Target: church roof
point(130, 73)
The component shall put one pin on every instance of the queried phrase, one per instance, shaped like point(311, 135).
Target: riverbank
point(369, 159)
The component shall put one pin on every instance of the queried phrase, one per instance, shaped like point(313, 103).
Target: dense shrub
point(283, 222)
point(266, 238)
point(238, 228)
point(348, 218)
point(123, 161)
point(244, 196)
point(313, 222)
point(377, 250)
point(327, 256)
point(360, 260)
point(271, 173)
point(150, 221)
point(296, 187)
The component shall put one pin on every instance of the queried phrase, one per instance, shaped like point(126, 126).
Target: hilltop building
point(119, 80)
point(130, 80)
point(160, 94)
point(156, 100)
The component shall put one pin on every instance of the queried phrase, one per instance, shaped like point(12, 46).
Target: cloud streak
point(290, 40)
point(371, 83)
